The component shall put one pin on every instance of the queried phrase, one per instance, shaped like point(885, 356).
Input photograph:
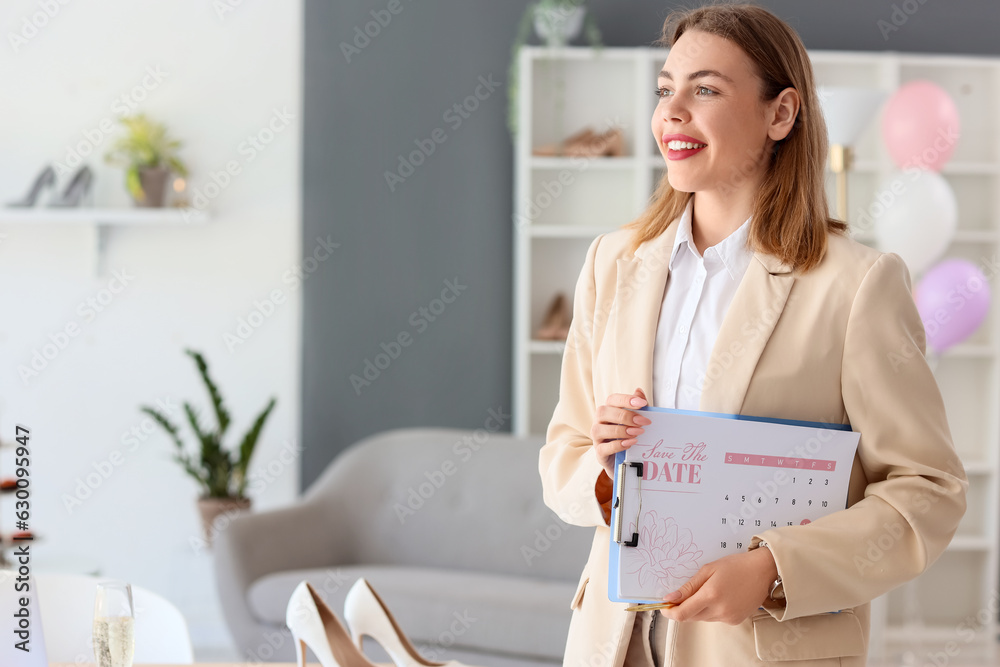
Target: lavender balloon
point(952, 298)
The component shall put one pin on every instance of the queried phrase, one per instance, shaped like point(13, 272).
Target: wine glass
point(114, 620)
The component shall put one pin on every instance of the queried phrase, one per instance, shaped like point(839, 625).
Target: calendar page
point(697, 486)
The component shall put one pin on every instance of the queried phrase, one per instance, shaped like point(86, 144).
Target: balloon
point(921, 125)
point(952, 299)
point(915, 214)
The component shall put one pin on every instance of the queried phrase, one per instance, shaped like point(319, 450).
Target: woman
point(735, 292)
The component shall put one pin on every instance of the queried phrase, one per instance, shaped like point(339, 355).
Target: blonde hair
point(790, 217)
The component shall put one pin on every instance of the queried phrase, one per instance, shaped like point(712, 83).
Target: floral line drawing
point(666, 556)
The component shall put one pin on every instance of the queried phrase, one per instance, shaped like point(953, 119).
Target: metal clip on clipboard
point(619, 498)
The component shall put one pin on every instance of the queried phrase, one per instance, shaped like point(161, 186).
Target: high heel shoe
point(586, 143)
point(367, 615)
point(555, 326)
point(46, 178)
point(569, 143)
point(77, 190)
point(313, 624)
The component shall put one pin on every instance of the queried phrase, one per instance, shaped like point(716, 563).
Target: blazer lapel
point(639, 294)
point(751, 318)
point(745, 330)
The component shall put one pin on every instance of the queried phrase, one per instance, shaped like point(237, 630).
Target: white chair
point(66, 604)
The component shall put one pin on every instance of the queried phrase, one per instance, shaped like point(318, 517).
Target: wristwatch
point(777, 592)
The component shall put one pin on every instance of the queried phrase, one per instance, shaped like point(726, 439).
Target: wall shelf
point(101, 221)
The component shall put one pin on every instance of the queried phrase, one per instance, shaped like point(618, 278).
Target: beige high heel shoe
point(314, 625)
point(555, 326)
point(367, 615)
point(586, 143)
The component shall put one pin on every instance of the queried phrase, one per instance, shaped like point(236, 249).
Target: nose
point(674, 109)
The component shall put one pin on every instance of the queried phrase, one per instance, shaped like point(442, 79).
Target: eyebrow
point(664, 74)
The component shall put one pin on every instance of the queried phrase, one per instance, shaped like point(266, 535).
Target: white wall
point(222, 76)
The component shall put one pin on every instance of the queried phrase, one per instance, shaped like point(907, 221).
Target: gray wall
point(450, 219)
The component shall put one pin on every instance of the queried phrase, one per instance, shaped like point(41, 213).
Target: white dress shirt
point(699, 291)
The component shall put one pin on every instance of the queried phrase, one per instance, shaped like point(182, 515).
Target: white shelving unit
point(562, 204)
point(101, 221)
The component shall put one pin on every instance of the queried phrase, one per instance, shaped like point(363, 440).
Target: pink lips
point(684, 153)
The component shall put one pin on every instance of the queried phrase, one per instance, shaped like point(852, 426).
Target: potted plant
point(149, 155)
point(557, 22)
point(221, 473)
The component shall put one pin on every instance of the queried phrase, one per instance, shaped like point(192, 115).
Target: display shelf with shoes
point(559, 210)
point(74, 207)
point(586, 143)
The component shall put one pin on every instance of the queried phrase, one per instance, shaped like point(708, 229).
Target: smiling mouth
point(683, 145)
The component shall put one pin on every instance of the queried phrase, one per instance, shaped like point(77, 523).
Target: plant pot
point(559, 26)
point(154, 185)
point(216, 513)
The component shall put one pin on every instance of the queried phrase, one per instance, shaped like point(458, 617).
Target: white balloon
point(915, 214)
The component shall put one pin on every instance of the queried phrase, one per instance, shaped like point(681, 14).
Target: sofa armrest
point(254, 545)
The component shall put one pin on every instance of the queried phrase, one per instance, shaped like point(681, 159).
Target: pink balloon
point(952, 298)
point(921, 125)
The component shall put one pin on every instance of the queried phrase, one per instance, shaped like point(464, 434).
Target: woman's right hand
point(616, 427)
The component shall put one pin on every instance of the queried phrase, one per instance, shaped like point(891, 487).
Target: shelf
point(102, 216)
point(568, 231)
point(970, 543)
point(967, 168)
point(546, 346)
point(961, 236)
point(560, 53)
point(100, 221)
point(973, 168)
point(979, 468)
point(538, 162)
point(970, 350)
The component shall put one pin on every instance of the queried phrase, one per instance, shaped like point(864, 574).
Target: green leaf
point(249, 443)
point(210, 450)
point(221, 414)
point(219, 472)
point(193, 471)
point(134, 184)
point(162, 420)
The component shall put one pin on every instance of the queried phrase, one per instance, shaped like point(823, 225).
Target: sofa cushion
point(447, 498)
point(502, 613)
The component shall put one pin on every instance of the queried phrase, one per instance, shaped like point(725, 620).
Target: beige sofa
point(449, 527)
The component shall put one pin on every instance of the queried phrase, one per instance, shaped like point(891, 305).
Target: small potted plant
point(149, 156)
point(557, 22)
point(220, 472)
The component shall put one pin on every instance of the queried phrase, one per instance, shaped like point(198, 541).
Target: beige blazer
point(841, 343)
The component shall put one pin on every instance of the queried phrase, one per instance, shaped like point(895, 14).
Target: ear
point(784, 110)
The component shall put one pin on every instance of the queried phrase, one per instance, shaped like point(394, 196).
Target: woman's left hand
point(728, 590)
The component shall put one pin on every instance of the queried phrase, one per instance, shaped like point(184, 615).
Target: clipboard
point(697, 486)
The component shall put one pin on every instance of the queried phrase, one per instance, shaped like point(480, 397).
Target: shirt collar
point(731, 251)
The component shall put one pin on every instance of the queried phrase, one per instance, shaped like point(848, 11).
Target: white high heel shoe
point(367, 615)
point(314, 625)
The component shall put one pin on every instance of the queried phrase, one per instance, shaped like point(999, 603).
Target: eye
point(662, 92)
